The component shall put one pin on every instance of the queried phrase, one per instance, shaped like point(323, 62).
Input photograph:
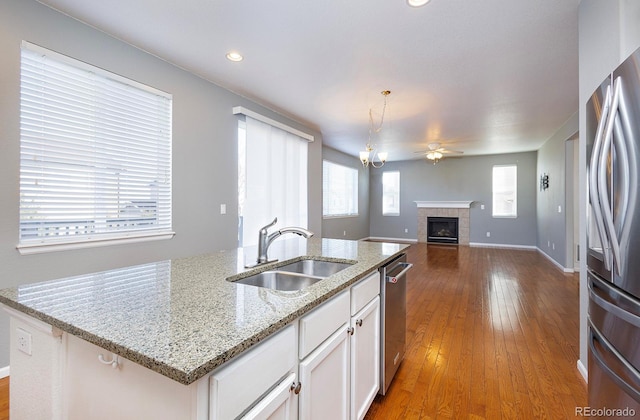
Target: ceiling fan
point(435, 152)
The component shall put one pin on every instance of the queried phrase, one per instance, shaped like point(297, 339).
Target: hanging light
point(368, 155)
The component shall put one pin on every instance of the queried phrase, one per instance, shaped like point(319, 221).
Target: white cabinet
point(365, 358)
point(277, 405)
point(324, 376)
point(341, 377)
point(240, 384)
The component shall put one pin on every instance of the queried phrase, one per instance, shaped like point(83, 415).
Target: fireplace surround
point(459, 209)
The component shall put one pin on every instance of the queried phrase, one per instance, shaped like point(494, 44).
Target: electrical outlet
point(488, 234)
point(344, 233)
point(23, 339)
point(553, 246)
point(406, 231)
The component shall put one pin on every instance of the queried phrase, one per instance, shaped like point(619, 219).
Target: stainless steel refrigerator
point(613, 236)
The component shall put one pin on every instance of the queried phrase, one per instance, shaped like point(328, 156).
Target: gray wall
point(349, 227)
point(204, 151)
point(461, 178)
point(552, 225)
point(609, 30)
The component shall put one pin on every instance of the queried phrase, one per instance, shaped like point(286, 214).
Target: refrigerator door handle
point(596, 335)
point(593, 180)
point(630, 166)
point(595, 295)
point(605, 204)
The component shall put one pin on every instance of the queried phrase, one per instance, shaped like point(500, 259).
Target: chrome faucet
point(265, 240)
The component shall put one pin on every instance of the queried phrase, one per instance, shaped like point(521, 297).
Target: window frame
point(494, 193)
point(121, 228)
point(395, 193)
point(355, 193)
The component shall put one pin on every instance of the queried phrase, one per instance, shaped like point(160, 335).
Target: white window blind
point(391, 193)
point(505, 191)
point(95, 153)
point(272, 179)
point(339, 190)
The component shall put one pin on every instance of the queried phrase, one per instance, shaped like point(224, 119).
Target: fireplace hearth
point(442, 230)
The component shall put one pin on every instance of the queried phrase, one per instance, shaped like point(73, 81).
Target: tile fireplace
point(444, 209)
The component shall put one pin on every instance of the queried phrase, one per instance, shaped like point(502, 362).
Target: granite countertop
point(181, 317)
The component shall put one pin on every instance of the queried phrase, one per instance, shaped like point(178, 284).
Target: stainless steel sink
point(315, 267)
point(294, 276)
point(280, 280)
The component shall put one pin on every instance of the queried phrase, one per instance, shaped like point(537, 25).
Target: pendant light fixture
point(368, 155)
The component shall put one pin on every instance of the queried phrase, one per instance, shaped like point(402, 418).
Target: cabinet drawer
point(364, 291)
point(242, 382)
point(319, 324)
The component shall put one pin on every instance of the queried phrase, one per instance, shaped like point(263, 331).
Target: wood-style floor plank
point(491, 334)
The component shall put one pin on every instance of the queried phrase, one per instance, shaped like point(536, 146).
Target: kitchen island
point(181, 319)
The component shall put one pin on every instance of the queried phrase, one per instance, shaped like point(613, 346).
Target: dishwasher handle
point(394, 279)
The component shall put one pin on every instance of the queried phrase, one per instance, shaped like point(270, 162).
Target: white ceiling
point(490, 76)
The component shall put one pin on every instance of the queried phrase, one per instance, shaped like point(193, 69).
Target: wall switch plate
point(481, 206)
point(23, 340)
point(223, 209)
point(344, 233)
point(559, 209)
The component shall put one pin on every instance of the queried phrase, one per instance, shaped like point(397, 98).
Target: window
point(339, 190)
point(391, 193)
point(505, 191)
point(95, 155)
point(272, 178)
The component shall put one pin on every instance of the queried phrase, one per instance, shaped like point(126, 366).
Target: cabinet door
point(324, 376)
point(365, 358)
point(277, 405)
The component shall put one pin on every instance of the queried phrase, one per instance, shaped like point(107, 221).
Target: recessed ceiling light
point(417, 3)
point(234, 56)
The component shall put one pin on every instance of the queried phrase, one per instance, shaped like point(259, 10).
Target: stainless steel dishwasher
point(393, 316)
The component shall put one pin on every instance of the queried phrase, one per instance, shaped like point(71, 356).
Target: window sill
point(39, 247)
point(341, 216)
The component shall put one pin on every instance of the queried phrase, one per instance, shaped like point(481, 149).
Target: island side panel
point(126, 390)
point(36, 385)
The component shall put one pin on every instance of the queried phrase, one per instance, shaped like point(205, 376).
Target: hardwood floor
point(4, 398)
point(491, 334)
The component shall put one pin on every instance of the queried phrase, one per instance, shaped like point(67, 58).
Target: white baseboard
point(583, 371)
point(556, 263)
point(506, 246)
point(378, 238)
point(4, 372)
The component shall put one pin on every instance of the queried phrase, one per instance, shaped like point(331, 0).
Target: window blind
point(505, 191)
point(391, 193)
point(272, 179)
point(339, 190)
point(95, 153)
